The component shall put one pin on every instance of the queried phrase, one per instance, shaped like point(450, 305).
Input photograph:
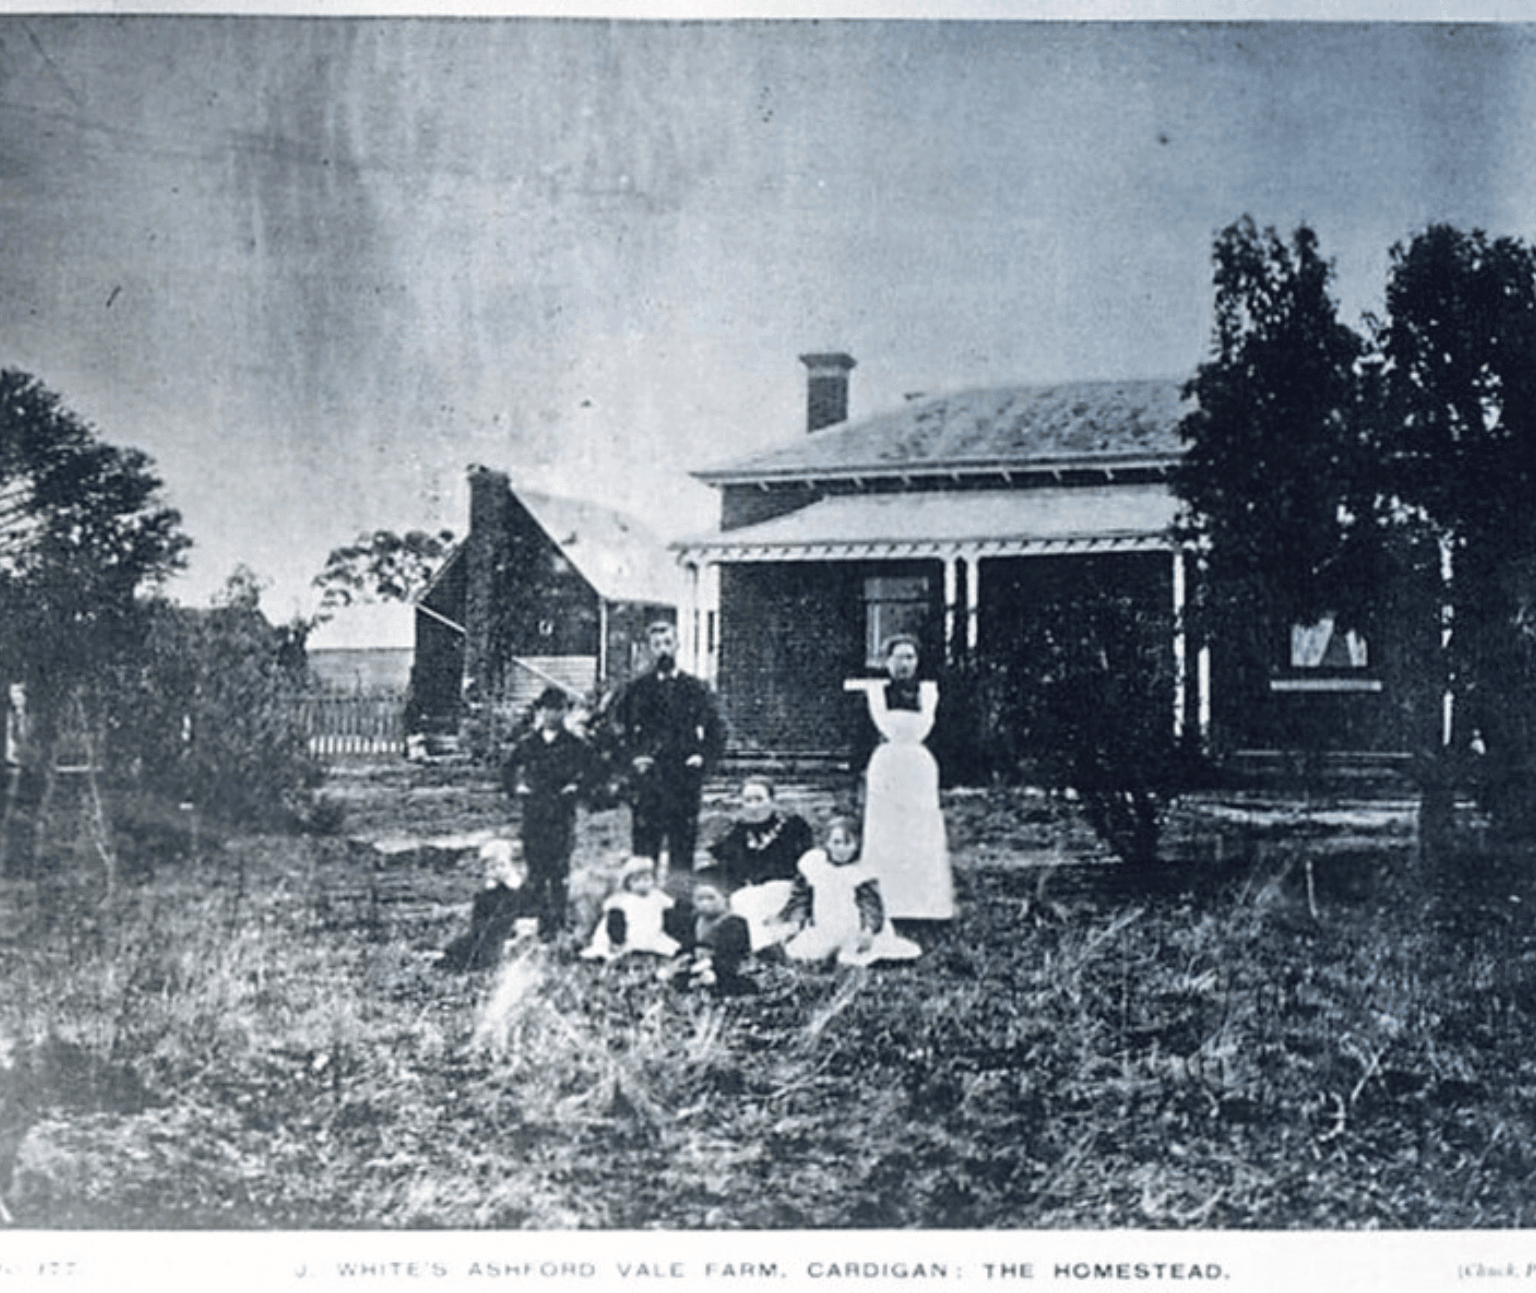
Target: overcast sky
point(316, 268)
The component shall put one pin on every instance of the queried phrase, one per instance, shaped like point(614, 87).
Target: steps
point(1354, 774)
point(795, 776)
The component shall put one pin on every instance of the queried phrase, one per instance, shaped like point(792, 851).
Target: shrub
point(1086, 707)
point(208, 711)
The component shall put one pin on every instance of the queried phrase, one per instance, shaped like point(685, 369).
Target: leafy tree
point(1458, 448)
point(1280, 485)
point(1326, 471)
point(1276, 479)
point(83, 531)
point(382, 566)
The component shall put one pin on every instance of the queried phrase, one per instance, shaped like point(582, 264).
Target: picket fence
point(357, 725)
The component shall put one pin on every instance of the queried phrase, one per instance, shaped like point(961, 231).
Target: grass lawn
point(1287, 1029)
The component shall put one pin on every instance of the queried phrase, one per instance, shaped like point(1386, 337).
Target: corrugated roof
point(999, 427)
point(1052, 518)
point(617, 555)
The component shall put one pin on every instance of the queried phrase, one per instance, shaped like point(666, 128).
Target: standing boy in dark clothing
point(669, 729)
point(545, 772)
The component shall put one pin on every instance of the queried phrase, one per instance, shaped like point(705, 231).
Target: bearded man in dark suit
point(670, 732)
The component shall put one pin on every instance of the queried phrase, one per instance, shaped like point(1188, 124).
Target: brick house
point(542, 591)
point(957, 517)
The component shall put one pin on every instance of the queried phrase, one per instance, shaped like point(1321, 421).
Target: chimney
point(826, 396)
point(485, 555)
point(488, 499)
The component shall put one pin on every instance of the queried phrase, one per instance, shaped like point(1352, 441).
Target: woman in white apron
point(904, 839)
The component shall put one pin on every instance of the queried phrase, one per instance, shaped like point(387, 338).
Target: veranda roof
point(977, 523)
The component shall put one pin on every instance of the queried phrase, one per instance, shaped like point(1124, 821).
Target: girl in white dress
point(904, 838)
point(633, 918)
point(847, 919)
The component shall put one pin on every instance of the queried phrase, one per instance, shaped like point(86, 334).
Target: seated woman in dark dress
point(757, 860)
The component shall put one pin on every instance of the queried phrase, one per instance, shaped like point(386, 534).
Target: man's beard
point(665, 663)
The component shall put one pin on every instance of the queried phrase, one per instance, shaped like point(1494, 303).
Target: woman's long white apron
point(904, 838)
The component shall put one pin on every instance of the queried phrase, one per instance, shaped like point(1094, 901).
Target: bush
point(1086, 706)
point(208, 714)
point(326, 816)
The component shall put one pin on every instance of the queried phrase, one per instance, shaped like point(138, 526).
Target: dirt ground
point(1276, 1028)
point(401, 809)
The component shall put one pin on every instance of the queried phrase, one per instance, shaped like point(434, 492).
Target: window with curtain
point(893, 604)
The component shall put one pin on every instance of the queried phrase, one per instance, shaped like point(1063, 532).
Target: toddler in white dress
point(633, 918)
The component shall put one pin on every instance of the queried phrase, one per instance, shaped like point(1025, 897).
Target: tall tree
point(1275, 483)
point(83, 531)
point(1458, 446)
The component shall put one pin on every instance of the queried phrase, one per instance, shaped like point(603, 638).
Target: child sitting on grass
point(498, 911)
point(634, 917)
point(720, 942)
point(841, 896)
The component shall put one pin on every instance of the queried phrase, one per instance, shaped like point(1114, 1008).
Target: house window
point(892, 604)
point(1325, 657)
point(1324, 646)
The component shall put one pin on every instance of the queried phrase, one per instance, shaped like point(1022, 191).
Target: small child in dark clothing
point(497, 911)
point(545, 772)
point(720, 942)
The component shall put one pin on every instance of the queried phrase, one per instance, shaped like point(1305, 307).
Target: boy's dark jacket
point(548, 770)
